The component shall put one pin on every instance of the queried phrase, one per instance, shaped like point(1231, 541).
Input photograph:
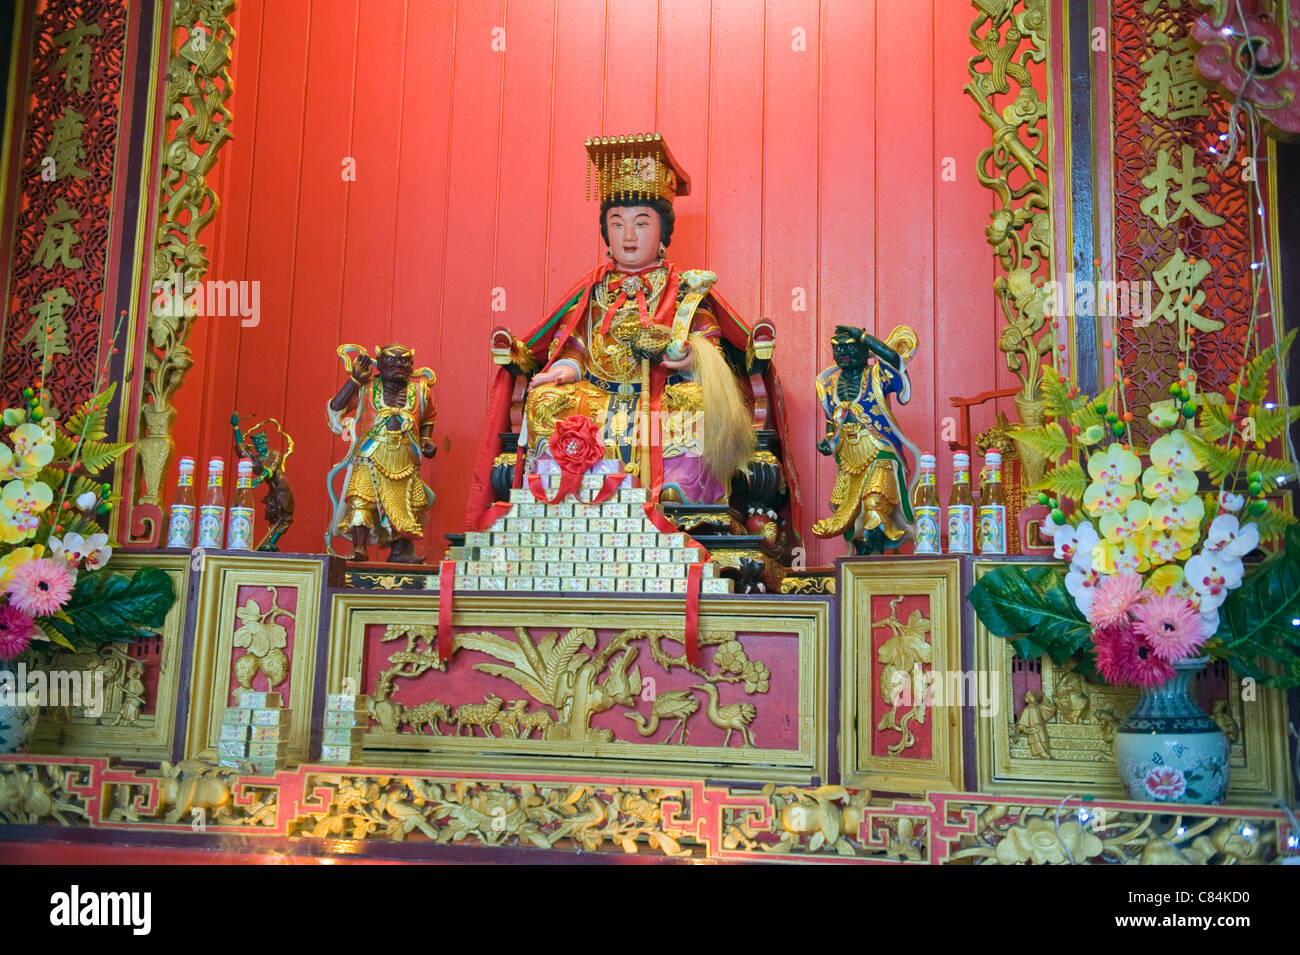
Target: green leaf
point(1270, 469)
point(1087, 415)
point(1068, 481)
point(1214, 417)
point(63, 447)
point(1272, 422)
point(1049, 441)
point(88, 420)
point(1255, 621)
point(1056, 400)
point(1256, 377)
point(1272, 523)
point(54, 636)
point(1219, 461)
point(97, 455)
point(107, 606)
point(1032, 604)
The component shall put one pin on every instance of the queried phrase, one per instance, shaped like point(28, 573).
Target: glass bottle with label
point(239, 534)
point(925, 507)
point(960, 509)
point(212, 515)
point(180, 524)
point(993, 507)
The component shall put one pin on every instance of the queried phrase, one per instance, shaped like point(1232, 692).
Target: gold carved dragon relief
point(568, 681)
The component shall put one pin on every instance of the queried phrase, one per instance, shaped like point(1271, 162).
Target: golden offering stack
point(255, 731)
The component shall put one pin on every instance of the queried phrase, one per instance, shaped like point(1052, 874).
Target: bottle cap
point(961, 459)
point(245, 465)
point(993, 457)
point(927, 460)
point(187, 464)
point(216, 464)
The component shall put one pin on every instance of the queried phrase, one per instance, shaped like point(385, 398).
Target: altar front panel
point(572, 683)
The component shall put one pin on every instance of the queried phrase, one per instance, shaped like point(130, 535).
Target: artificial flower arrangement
point(55, 590)
point(1155, 569)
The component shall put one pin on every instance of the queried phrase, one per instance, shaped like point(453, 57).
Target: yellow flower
point(1169, 545)
point(1184, 515)
point(1114, 475)
point(1166, 578)
point(16, 557)
point(27, 496)
point(6, 462)
point(1171, 453)
point(1177, 485)
point(32, 449)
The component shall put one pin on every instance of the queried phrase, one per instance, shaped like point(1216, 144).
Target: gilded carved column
point(198, 85)
point(1009, 36)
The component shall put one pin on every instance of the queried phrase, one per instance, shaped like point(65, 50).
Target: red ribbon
point(571, 483)
point(694, 575)
point(446, 592)
point(494, 513)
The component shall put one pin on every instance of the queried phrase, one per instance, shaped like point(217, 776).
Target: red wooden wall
point(815, 135)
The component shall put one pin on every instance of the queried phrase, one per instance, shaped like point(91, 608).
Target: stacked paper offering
point(346, 716)
point(574, 547)
point(254, 731)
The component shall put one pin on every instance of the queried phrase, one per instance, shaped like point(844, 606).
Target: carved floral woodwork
point(1249, 48)
point(198, 125)
point(599, 679)
point(1009, 36)
point(327, 811)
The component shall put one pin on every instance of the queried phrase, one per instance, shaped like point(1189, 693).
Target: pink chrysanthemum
point(1114, 596)
point(1170, 625)
point(40, 587)
point(1123, 657)
point(16, 630)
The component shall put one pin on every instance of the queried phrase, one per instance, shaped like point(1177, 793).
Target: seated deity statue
point(676, 382)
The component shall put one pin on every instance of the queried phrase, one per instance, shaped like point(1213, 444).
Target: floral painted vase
point(17, 722)
point(1169, 750)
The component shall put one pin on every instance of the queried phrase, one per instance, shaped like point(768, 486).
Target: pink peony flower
point(40, 587)
point(1170, 625)
point(1165, 783)
point(1123, 657)
point(1115, 595)
point(16, 630)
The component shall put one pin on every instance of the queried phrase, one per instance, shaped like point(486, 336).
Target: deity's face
point(395, 367)
point(848, 353)
point(634, 235)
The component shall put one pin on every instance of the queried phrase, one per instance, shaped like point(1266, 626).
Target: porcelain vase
point(17, 722)
point(1169, 750)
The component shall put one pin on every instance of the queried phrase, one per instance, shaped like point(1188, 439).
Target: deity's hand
point(684, 363)
point(428, 448)
point(824, 446)
point(362, 369)
point(559, 375)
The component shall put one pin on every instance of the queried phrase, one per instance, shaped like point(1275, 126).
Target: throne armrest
point(762, 342)
point(511, 353)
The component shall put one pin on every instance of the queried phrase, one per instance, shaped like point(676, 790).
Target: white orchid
point(1226, 536)
point(1082, 583)
point(1069, 542)
point(1047, 528)
point(1232, 503)
point(1211, 575)
point(87, 500)
point(92, 551)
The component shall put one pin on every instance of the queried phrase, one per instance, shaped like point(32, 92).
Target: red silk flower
point(577, 444)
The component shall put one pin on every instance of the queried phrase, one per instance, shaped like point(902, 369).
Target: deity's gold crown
point(635, 167)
